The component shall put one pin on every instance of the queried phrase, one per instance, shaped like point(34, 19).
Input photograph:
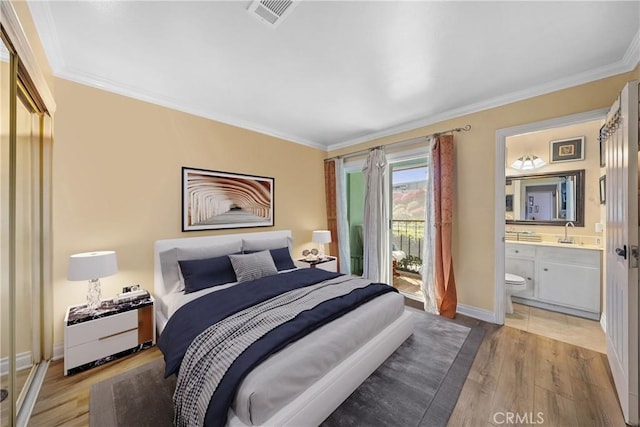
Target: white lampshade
point(92, 265)
point(528, 162)
point(321, 236)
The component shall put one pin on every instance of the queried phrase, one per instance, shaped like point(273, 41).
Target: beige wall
point(117, 182)
point(537, 143)
point(475, 165)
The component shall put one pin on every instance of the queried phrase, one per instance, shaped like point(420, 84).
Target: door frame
point(500, 177)
point(420, 149)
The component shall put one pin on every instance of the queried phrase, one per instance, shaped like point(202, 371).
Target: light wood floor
point(409, 284)
point(64, 401)
point(21, 379)
point(562, 327)
point(522, 373)
point(514, 372)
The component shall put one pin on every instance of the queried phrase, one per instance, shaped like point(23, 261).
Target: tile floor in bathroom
point(558, 326)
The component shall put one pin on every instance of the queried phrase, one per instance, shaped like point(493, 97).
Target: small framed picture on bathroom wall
point(603, 189)
point(567, 150)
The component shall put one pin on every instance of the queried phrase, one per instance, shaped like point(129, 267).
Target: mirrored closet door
point(24, 201)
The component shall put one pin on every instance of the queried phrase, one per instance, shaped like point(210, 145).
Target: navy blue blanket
point(193, 318)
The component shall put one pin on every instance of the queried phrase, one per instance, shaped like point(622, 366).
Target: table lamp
point(92, 266)
point(321, 237)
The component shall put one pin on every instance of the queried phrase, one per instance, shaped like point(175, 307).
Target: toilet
point(512, 284)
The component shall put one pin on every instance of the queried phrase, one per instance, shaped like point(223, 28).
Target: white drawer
point(520, 251)
point(99, 348)
point(93, 330)
point(571, 255)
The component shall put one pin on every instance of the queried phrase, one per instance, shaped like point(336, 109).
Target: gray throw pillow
point(253, 266)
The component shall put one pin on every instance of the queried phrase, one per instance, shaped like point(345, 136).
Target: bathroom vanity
point(560, 277)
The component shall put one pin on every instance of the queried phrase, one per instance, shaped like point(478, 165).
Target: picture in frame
point(602, 140)
point(509, 203)
point(213, 200)
point(603, 189)
point(567, 150)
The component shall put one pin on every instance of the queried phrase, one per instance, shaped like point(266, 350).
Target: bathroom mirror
point(546, 198)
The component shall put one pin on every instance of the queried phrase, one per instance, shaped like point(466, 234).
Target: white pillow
point(253, 266)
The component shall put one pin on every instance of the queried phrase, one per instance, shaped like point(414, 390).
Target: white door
point(621, 248)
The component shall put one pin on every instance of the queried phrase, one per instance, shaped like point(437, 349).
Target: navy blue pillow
point(205, 273)
point(281, 258)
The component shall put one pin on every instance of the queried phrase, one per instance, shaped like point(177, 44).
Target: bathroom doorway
point(531, 223)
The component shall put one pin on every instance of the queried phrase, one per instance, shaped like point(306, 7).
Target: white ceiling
point(336, 73)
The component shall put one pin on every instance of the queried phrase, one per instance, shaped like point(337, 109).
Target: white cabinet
point(575, 286)
point(114, 330)
point(565, 279)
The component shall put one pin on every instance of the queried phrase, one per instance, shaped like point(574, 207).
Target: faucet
point(566, 237)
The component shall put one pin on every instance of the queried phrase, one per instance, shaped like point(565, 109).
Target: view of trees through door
point(408, 214)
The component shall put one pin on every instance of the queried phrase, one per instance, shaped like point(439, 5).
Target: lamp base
point(93, 295)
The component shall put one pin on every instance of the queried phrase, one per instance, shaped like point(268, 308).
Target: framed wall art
point(214, 200)
point(567, 150)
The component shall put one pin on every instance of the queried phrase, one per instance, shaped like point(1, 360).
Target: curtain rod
point(399, 143)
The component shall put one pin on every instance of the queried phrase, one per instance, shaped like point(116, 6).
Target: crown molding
point(17, 36)
point(41, 13)
point(632, 56)
point(628, 63)
point(164, 101)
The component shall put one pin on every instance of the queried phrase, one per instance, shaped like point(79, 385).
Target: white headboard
point(160, 288)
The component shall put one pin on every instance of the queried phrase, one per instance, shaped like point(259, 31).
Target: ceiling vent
point(272, 12)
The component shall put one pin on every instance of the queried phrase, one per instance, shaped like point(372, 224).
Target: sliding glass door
point(355, 216)
point(408, 213)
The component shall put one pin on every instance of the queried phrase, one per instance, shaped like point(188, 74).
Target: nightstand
point(108, 333)
point(328, 263)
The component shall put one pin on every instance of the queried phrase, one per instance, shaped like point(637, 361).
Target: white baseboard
point(477, 313)
point(603, 323)
point(58, 351)
point(23, 361)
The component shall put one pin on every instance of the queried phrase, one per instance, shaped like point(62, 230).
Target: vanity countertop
point(558, 245)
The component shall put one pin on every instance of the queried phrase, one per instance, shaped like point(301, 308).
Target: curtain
point(438, 277)
point(344, 251)
point(330, 191)
point(428, 248)
point(377, 256)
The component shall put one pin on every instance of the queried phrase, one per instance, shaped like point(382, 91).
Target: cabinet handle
point(517, 251)
point(545, 269)
point(117, 333)
point(528, 278)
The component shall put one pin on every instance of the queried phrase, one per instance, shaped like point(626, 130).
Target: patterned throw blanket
point(214, 351)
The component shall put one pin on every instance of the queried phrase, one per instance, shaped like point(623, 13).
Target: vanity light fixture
point(528, 162)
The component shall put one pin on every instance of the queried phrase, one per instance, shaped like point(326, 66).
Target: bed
point(288, 388)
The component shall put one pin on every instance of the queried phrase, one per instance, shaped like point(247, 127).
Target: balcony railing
point(408, 236)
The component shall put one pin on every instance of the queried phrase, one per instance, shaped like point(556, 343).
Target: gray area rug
point(418, 385)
